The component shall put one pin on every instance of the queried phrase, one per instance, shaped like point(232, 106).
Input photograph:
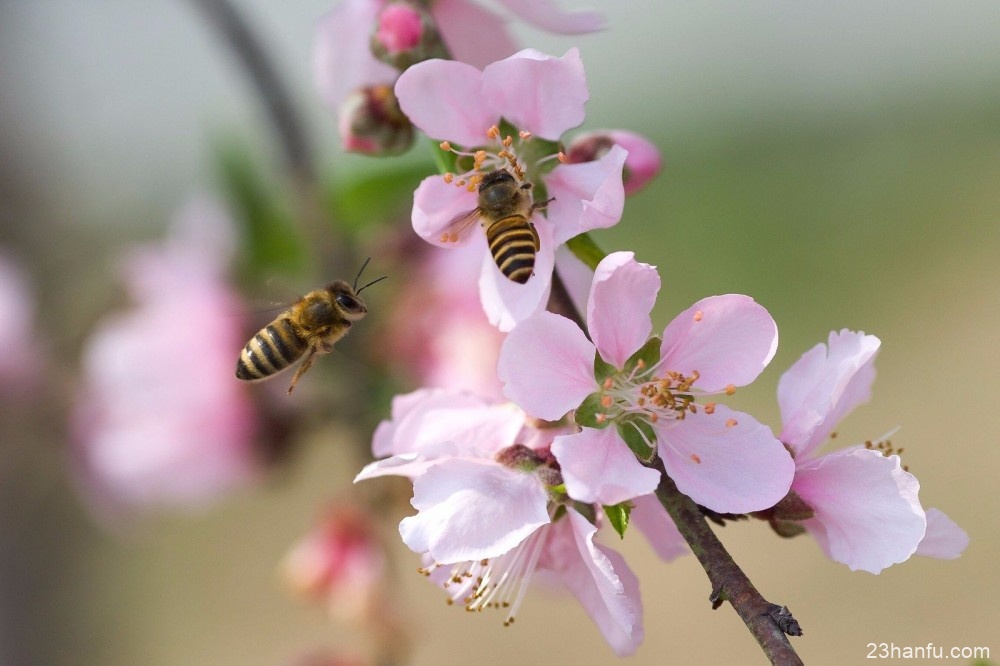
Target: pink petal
point(342, 58)
point(537, 92)
point(944, 539)
point(621, 299)
point(649, 516)
point(598, 466)
point(446, 100)
point(477, 428)
point(867, 512)
point(546, 15)
point(470, 510)
point(589, 195)
point(436, 204)
point(643, 161)
point(462, 25)
point(547, 366)
point(727, 339)
point(576, 276)
point(823, 386)
point(410, 465)
point(506, 302)
point(599, 578)
point(726, 461)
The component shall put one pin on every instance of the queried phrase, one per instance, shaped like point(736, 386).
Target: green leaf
point(270, 239)
point(586, 250)
point(618, 515)
point(586, 413)
point(629, 431)
point(649, 354)
point(375, 198)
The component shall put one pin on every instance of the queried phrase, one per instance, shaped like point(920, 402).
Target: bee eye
point(348, 302)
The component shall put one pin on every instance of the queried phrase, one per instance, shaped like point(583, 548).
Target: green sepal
point(649, 354)
point(445, 160)
point(586, 413)
point(618, 515)
point(643, 451)
point(602, 369)
point(586, 250)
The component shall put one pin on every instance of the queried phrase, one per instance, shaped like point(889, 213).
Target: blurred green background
point(840, 162)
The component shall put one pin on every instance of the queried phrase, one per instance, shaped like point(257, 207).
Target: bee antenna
point(371, 283)
point(358, 277)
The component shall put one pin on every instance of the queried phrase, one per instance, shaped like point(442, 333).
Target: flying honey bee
point(504, 210)
point(310, 327)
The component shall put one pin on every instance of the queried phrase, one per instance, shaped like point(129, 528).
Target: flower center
point(653, 395)
point(499, 152)
point(499, 583)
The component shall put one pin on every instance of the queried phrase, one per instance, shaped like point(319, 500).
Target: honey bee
point(310, 327)
point(504, 210)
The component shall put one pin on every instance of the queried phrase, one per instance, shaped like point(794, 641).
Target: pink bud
point(400, 26)
point(641, 165)
point(405, 34)
point(341, 563)
point(372, 123)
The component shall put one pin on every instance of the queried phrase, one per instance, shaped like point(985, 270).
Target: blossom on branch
point(491, 511)
point(536, 98)
point(859, 503)
point(638, 397)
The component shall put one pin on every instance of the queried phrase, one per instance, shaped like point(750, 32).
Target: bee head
point(347, 300)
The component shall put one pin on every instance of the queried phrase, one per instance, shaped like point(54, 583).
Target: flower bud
point(372, 123)
point(643, 161)
point(405, 34)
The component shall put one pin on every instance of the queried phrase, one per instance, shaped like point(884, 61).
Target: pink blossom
point(641, 166)
point(864, 507)
point(343, 60)
point(341, 563)
point(647, 389)
point(160, 419)
point(399, 27)
point(21, 362)
point(437, 330)
point(542, 97)
point(486, 491)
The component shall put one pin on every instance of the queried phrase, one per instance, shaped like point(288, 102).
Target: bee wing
point(459, 225)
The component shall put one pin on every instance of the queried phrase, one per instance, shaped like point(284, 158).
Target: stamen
point(524, 134)
point(698, 315)
point(730, 389)
point(730, 423)
point(696, 458)
point(445, 146)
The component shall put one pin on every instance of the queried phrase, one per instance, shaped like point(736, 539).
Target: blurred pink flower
point(21, 363)
point(160, 419)
point(343, 60)
point(340, 563)
point(438, 332)
point(864, 505)
point(642, 164)
point(487, 496)
point(542, 97)
point(644, 398)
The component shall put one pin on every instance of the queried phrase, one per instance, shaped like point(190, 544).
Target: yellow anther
point(608, 383)
point(493, 132)
point(730, 389)
point(445, 145)
point(698, 315)
point(695, 458)
point(524, 134)
point(730, 423)
point(606, 401)
point(448, 177)
point(709, 407)
point(562, 157)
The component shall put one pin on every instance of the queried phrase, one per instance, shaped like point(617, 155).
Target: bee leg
point(540, 205)
point(307, 362)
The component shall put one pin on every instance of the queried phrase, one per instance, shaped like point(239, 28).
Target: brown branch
point(331, 254)
point(766, 621)
point(769, 623)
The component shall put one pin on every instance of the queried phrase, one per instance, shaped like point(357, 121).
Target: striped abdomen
point(513, 243)
point(274, 348)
